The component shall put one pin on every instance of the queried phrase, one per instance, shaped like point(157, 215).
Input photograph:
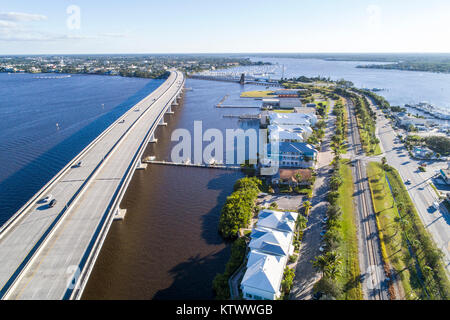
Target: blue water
point(402, 87)
point(32, 147)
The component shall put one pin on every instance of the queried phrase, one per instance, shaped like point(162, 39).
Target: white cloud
point(21, 16)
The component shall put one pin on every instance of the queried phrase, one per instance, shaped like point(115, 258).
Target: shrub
point(238, 208)
point(220, 282)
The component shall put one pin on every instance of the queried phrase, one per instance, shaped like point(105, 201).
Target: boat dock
point(235, 106)
point(197, 165)
point(243, 116)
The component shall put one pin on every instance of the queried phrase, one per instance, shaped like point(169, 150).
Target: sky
point(216, 26)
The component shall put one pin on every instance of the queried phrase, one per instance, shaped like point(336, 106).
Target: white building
point(278, 134)
point(277, 220)
point(302, 119)
point(290, 103)
point(270, 248)
point(262, 279)
point(272, 242)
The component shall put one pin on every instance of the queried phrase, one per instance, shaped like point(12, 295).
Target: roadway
point(43, 250)
point(375, 286)
point(420, 191)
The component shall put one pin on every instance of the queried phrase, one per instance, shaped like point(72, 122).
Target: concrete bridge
point(49, 252)
point(230, 78)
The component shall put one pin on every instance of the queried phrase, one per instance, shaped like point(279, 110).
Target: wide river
point(168, 246)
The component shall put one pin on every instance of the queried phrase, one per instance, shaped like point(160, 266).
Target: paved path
point(305, 274)
point(435, 221)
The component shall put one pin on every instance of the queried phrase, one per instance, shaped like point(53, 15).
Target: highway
point(435, 221)
point(371, 264)
point(48, 253)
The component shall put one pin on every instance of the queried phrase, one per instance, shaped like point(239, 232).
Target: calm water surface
point(401, 86)
point(168, 246)
point(32, 148)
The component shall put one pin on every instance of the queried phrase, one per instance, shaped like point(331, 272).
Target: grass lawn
point(435, 280)
point(369, 148)
point(258, 94)
point(349, 249)
point(396, 249)
point(282, 111)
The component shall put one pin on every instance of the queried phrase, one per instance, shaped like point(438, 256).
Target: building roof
point(291, 174)
point(287, 92)
point(264, 272)
point(292, 118)
point(271, 241)
point(280, 135)
point(305, 110)
point(294, 148)
point(290, 127)
point(278, 220)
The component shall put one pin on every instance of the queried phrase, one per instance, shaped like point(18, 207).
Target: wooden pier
point(196, 165)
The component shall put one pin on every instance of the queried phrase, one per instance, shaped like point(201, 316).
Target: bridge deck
point(42, 249)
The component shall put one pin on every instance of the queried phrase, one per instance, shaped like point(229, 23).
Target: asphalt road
point(374, 283)
point(435, 221)
point(41, 250)
point(305, 273)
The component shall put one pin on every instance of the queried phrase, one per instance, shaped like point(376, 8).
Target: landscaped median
point(349, 248)
point(406, 244)
point(339, 264)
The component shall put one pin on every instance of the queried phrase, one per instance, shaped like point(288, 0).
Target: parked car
point(52, 203)
point(408, 181)
point(48, 198)
point(436, 205)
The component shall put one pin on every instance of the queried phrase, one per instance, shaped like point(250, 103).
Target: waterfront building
point(281, 135)
point(405, 121)
point(262, 279)
point(302, 119)
point(277, 220)
point(293, 177)
point(304, 130)
point(290, 155)
point(271, 242)
point(289, 93)
point(270, 248)
point(270, 103)
point(290, 103)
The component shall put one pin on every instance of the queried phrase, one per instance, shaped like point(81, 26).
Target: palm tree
point(307, 206)
point(320, 264)
point(333, 262)
point(301, 222)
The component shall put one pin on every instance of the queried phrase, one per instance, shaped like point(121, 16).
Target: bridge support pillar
point(153, 139)
point(162, 123)
point(141, 166)
point(169, 110)
point(119, 214)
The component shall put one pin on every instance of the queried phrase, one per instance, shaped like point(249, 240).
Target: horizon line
point(229, 53)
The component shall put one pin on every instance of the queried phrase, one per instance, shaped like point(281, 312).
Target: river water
point(168, 246)
point(402, 87)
